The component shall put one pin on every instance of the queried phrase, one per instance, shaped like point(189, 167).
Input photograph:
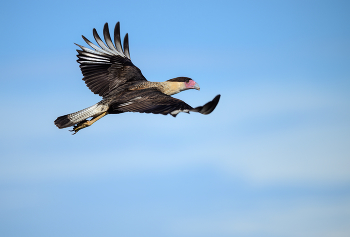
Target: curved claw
point(86, 123)
point(77, 127)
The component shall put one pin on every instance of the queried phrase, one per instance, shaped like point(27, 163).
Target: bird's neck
point(166, 87)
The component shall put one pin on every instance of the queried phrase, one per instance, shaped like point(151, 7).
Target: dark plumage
point(109, 72)
point(180, 79)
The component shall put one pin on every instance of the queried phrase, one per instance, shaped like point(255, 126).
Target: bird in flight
point(109, 72)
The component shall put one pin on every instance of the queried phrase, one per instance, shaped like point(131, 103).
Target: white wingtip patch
point(130, 102)
point(175, 112)
point(125, 104)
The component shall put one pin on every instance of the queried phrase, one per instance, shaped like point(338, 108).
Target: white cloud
point(302, 156)
point(314, 150)
point(304, 218)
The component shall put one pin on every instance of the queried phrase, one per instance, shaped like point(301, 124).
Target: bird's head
point(183, 83)
point(191, 84)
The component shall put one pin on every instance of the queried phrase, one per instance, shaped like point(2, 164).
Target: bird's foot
point(83, 124)
point(86, 123)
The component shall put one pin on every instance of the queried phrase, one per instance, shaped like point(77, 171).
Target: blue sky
point(272, 160)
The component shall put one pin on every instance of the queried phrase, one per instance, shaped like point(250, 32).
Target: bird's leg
point(87, 123)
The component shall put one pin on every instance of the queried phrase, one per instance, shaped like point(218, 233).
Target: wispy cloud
point(256, 141)
point(299, 219)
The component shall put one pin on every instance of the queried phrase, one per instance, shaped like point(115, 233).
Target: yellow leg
point(87, 123)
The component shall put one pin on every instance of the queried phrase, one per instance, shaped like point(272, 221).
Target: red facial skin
point(190, 84)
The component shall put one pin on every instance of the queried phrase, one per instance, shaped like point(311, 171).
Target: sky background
point(272, 160)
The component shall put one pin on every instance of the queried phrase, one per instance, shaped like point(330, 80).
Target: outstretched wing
point(154, 101)
point(107, 67)
point(208, 107)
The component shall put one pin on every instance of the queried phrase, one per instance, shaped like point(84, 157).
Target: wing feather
point(208, 107)
point(147, 101)
point(108, 39)
point(117, 41)
point(89, 50)
point(154, 101)
point(100, 42)
point(91, 55)
point(107, 67)
point(95, 59)
point(96, 47)
point(126, 46)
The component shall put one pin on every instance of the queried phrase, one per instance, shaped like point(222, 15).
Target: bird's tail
point(74, 118)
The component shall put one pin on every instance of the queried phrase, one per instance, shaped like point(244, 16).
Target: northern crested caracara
point(109, 72)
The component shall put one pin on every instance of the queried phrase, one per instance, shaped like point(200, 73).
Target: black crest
point(180, 79)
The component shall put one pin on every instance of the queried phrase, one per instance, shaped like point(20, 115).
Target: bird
point(108, 71)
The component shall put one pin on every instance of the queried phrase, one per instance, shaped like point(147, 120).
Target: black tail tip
point(63, 122)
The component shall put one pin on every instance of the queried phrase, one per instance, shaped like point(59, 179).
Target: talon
point(86, 123)
point(81, 125)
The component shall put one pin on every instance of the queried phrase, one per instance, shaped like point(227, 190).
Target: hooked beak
point(196, 86)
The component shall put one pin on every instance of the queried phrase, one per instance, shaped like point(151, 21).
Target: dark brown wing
point(208, 107)
point(154, 101)
point(107, 67)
